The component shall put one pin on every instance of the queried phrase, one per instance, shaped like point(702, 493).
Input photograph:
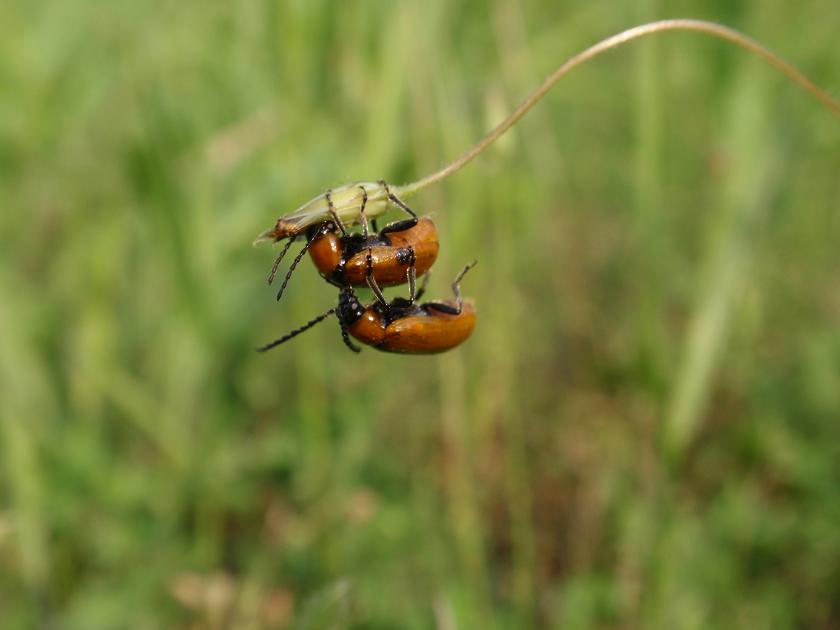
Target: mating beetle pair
point(397, 254)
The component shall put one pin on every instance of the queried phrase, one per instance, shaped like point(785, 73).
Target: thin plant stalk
point(699, 26)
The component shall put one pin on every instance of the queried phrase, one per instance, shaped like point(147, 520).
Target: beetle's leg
point(362, 218)
point(336, 218)
point(456, 285)
point(423, 286)
point(456, 289)
point(398, 226)
point(371, 282)
point(412, 275)
point(280, 258)
point(396, 200)
point(443, 308)
point(373, 225)
point(345, 337)
point(325, 227)
point(412, 282)
point(296, 332)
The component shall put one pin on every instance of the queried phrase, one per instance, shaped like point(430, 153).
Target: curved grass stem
point(699, 26)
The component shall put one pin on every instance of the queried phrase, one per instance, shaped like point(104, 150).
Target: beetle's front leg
point(333, 213)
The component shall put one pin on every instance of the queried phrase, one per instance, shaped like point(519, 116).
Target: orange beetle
point(400, 326)
point(398, 253)
point(389, 258)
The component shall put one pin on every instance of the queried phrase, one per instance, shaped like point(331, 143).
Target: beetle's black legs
point(456, 285)
point(362, 218)
point(456, 290)
point(333, 213)
point(423, 286)
point(279, 259)
point(396, 200)
point(412, 276)
point(296, 332)
point(412, 284)
point(371, 282)
point(398, 226)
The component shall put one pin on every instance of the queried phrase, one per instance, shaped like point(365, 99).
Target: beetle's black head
point(349, 310)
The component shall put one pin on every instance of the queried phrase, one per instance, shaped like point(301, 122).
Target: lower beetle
point(399, 326)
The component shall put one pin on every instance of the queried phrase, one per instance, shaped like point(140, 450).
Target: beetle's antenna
point(292, 267)
point(345, 337)
point(321, 230)
point(296, 332)
point(279, 259)
point(699, 26)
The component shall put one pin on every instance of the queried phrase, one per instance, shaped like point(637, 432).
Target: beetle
point(390, 254)
point(400, 252)
point(399, 326)
point(345, 205)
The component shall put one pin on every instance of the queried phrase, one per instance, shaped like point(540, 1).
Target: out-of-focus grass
point(643, 431)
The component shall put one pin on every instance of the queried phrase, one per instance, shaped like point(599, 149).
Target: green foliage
point(642, 432)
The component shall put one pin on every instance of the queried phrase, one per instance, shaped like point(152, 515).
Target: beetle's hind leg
point(398, 226)
point(371, 281)
point(396, 200)
point(362, 218)
point(456, 290)
point(412, 283)
point(423, 286)
point(407, 256)
point(456, 284)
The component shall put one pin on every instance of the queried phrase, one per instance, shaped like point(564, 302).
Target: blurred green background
point(643, 431)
